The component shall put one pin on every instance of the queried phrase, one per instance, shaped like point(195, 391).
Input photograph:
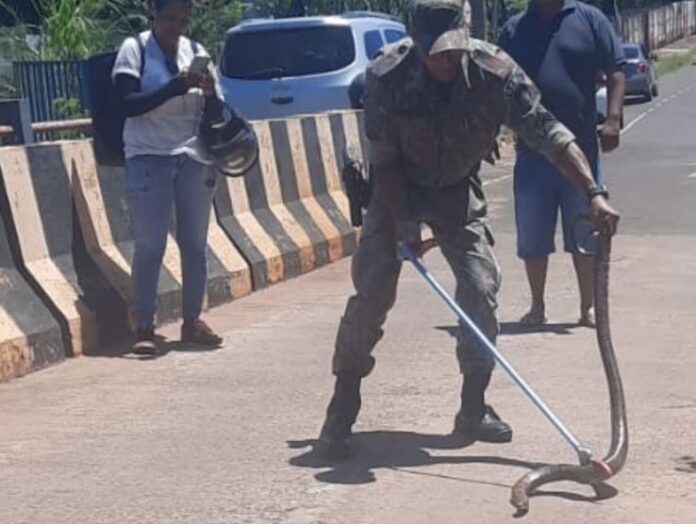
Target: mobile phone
point(199, 65)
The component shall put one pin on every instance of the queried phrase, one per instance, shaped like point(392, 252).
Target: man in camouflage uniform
point(434, 104)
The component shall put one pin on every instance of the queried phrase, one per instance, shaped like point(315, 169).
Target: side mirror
point(654, 57)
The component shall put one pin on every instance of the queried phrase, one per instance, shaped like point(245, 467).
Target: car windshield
point(257, 55)
point(631, 52)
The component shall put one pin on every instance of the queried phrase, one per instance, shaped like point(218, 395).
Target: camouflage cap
point(440, 25)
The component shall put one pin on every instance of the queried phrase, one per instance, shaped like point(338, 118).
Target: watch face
point(598, 190)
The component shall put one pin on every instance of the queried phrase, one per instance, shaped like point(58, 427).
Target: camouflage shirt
point(440, 133)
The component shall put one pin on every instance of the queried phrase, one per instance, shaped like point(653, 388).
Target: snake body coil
point(596, 471)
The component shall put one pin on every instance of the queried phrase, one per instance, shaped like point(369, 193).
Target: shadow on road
point(122, 349)
point(515, 328)
point(402, 450)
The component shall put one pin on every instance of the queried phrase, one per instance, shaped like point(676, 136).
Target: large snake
point(594, 472)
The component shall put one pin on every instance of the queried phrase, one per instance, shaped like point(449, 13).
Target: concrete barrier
point(38, 185)
point(103, 211)
point(71, 228)
point(30, 338)
point(289, 215)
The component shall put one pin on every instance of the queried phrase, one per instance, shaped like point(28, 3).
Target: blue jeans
point(540, 191)
point(156, 186)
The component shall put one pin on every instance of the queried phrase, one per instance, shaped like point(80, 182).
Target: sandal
point(145, 342)
point(587, 319)
point(200, 333)
point(533, 319)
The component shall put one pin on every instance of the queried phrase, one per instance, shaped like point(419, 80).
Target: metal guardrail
point(76, 124)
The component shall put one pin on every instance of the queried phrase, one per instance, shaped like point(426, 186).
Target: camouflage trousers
point(466, 244)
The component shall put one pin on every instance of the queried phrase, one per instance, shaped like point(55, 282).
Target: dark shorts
point(540, 191)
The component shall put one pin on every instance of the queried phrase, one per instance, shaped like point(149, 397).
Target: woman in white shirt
point(166, 165)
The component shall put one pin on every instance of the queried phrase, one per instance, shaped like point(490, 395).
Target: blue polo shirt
point(563, 57)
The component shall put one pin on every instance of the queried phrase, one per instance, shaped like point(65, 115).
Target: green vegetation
point(672, 62)
point(211, 19)
point(70, 29)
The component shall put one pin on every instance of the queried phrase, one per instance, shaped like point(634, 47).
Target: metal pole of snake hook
point(583, 453)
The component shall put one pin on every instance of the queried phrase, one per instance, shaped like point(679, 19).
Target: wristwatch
point(596, 191)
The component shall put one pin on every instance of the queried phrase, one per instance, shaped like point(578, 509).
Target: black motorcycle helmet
point(231, 143)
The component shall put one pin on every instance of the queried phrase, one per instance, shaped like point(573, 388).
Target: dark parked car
point(641, 73)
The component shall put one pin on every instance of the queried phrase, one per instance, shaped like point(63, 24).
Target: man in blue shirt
point(563, 45)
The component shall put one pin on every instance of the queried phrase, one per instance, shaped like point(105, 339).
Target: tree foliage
point(74, 29)
point(69, 29)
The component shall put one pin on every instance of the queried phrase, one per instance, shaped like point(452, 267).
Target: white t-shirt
point(171, 128)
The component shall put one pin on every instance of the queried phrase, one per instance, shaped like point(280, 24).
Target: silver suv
point(291, 66)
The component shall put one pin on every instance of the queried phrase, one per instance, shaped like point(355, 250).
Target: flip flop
point(533, 319)
point(588, 319)
point(146, 348)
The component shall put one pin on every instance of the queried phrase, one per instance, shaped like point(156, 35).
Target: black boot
point(475, 419)
point(340, 417)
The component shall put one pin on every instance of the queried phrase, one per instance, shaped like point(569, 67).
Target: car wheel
point(648, 95)
point(655, 91)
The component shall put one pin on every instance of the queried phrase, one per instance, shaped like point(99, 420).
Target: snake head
point(602, 469)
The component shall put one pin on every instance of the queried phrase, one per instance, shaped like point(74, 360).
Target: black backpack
point(108, 117)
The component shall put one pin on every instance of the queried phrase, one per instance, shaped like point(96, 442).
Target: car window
point(631, 52)
point(373, 43)
point(392, 35)
point(258, 55)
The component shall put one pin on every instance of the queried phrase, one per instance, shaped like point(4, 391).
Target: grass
point(670, 63)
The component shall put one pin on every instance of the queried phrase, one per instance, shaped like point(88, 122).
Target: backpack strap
point(141, 46)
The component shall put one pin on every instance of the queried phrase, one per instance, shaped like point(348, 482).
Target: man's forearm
point(616, 89)
point(573, 163)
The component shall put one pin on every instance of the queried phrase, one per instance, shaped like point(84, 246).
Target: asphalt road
point(225, 436)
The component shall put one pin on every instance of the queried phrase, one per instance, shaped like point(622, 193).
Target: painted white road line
point(641, 116)
point(633, 122)
point(692, 175)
